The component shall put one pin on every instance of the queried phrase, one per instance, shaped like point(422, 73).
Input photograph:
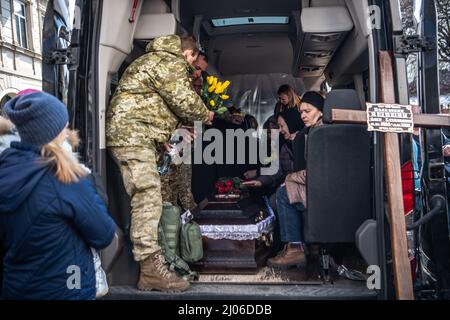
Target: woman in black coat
point(290, 123)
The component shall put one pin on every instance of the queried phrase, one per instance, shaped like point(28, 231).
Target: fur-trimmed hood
point(8, 134)
point(6, 126)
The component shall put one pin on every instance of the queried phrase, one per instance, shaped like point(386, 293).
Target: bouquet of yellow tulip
point(214, 94)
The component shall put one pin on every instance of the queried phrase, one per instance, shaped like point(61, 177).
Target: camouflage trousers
point(176, 186)
point(140, 176)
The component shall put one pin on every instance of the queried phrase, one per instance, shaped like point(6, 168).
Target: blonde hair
point(73, 138)
point(67, 167)
point(294, 99)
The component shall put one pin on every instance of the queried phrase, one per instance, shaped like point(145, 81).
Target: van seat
point(339, 176)
point(151, 26)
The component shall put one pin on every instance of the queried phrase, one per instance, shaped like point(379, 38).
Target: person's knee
point(281, 196)
point(273, 201)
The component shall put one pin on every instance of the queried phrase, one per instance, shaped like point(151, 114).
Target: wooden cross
point(401, 264)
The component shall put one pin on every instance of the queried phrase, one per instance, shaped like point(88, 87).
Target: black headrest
point(340, 99)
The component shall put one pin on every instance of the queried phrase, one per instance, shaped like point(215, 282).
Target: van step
point(249, 291)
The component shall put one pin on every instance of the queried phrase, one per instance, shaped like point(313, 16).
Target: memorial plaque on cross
point(393, 119)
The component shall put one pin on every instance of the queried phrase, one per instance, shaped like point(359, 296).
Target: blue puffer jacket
point(47, 228)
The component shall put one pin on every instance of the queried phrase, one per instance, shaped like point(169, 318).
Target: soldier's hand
point(186, 135)
point(210, 117)
point(191, 131)
point(167, 147)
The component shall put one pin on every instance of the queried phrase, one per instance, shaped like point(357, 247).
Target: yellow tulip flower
point(225, 85)
point(225, 97)
point(212, 103)
point(219, 89)
point(212, 88)
point(215, 81)
point(210, 80)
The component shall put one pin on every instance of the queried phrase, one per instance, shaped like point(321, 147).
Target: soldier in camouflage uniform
point(176, 185)
point(167, 180)
point(153, 96)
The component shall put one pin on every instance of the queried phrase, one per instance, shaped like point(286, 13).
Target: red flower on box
point(228, 186)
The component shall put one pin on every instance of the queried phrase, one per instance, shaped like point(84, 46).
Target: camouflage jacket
point(154, 95)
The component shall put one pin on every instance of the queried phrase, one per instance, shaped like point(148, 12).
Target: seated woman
point(270, 124)
point(290, 124)
point(291, 196)
point(287, 98)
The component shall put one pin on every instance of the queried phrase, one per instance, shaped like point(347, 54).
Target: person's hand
point(251, 174)
point(237, 119)
point(167, 147)
point(187, 133)
point(446, 150)
point(210, 117)
point(303, 174)
point(252, 183)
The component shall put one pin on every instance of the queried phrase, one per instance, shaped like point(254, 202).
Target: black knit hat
point(39, 117)
point(292, 118)
point(314, 99)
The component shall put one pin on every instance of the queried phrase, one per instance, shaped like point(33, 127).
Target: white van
point(343, 47)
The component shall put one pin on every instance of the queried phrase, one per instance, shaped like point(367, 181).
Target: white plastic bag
point(101, 284)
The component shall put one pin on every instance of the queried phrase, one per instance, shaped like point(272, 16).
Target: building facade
point(20, 46)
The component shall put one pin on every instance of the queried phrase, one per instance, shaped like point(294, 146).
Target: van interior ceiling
point(302, 43)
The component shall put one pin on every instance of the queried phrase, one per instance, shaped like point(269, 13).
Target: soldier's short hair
point(189, 43)
point(203, 53)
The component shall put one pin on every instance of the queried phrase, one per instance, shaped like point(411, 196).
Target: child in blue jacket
point(49, 212)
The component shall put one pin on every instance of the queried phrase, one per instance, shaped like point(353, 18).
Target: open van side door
point(434, 246)
point(70, 36)
point(58, 26)
point(70, 72)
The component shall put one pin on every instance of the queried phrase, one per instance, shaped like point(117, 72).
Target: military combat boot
point(292, 256)
point(155, 275)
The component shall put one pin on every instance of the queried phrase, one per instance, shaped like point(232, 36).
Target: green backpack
point(175, 237)
point(191, 243)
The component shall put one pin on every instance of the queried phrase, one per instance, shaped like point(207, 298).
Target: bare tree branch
point(409, 27)
point(443, 9)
